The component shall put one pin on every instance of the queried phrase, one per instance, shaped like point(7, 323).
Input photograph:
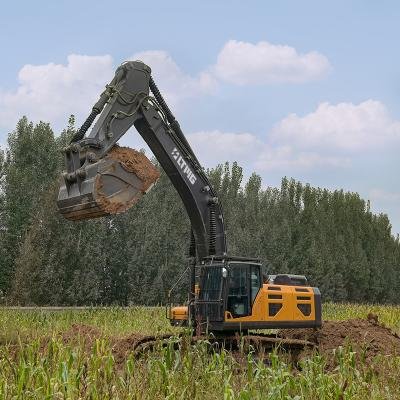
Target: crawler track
point(258, 343)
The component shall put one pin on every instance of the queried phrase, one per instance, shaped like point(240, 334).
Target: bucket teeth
point(111, 185)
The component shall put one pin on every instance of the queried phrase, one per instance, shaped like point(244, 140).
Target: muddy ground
point(366, 337)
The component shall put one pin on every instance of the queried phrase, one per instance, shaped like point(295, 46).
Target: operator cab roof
point(227, 258)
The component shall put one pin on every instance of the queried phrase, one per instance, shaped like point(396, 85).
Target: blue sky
point(304, 89)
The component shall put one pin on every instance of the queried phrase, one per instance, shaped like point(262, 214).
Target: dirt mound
point(123, 346)
point(82, 330)
point(79, 332)
point(366, 337)
point(135, 343)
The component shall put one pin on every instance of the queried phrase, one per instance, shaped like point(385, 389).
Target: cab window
point(238, 290)
point(255, 282)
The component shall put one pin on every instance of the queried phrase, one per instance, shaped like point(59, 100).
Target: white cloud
point(332, 136)
point(215, 146)
point(244, 63)
point(345, 126)
point(377, 194)
point(288, 159)
point(174, 84)
point(52, 92)
point(248, 150)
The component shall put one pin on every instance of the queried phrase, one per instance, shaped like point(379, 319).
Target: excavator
point(226, 293)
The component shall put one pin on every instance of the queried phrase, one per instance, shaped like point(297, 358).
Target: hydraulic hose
point(174, 124)
point(192, 247)
point(97, 108)
point(86, 125)
point(213, 230)
point(157, 94)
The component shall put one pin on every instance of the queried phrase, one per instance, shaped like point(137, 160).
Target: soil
point(85, 331)
point(79, 333)
point(367, 337)
point(132, 161)
point(136, 162)
point(122, 347)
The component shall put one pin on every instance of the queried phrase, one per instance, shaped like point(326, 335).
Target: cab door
point(210, 302)
point(244, 282)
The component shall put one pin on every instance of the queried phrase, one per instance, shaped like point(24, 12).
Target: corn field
point(39, 359)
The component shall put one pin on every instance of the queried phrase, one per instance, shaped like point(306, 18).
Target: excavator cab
point(232, 295)
point(228, 287)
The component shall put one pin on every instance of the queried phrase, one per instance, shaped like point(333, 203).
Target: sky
point(308, 89)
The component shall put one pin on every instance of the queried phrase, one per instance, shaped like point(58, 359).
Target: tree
point(135, 258)
point(29, 169)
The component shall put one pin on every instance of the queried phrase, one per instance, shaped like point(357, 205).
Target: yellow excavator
point(226, 293)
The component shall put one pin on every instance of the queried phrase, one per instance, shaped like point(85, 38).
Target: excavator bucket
point(110, 186)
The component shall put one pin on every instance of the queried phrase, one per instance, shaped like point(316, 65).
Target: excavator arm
point(98, 181)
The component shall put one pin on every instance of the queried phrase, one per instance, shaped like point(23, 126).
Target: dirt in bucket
point(131, 161)
point(136, 162)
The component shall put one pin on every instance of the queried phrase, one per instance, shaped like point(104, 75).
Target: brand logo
point(183, 166)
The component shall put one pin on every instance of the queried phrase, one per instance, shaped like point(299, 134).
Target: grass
point(110, 321)
point(34, 368)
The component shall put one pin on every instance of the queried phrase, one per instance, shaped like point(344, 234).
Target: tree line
point(332, 237)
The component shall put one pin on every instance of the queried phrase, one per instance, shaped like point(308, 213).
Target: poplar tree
point(332, 237)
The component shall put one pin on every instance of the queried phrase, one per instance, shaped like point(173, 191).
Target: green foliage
point(330, 236)
point(30, 167)
point(2, 197)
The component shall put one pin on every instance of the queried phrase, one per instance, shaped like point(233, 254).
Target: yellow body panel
point(274, 304)
point(291, 297)
point(179, 313)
